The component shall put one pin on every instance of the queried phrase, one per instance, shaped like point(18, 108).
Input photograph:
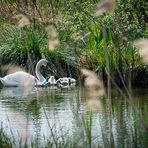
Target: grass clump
point(4, 139)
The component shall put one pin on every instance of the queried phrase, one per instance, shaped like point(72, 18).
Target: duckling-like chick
point(52, 81)
point(65, 81)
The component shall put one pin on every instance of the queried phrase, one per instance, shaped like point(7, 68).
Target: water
point(62, 114)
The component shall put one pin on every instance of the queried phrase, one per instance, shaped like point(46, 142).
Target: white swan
point(65, 81)
point(52, 81)
point(20, 78)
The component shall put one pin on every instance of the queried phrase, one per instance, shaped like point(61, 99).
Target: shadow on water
point(62, 110)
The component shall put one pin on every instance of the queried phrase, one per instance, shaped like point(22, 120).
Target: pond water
point(63, 116)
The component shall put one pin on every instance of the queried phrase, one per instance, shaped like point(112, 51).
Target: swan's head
point(43, 62)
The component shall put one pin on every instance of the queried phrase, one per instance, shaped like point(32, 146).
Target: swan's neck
point(38, 73)
point(2, 81)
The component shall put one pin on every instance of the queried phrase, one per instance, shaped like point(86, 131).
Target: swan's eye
point(45, 64)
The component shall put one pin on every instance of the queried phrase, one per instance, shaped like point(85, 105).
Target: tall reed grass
point(26, 43)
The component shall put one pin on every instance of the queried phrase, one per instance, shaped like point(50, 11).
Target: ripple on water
point(62, 110)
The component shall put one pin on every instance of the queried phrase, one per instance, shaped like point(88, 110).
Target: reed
point(71, 41)
point(4, 139)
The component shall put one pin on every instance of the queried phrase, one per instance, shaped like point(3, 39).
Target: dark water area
point(64, 112)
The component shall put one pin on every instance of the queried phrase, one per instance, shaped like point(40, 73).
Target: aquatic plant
point(4, 139)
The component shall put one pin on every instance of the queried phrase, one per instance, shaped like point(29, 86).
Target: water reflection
point(63, 112)
point(14, 92)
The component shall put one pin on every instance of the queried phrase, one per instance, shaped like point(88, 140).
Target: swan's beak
point(47, 65)
point(51, 68)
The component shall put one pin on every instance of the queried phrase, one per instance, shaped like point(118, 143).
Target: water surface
point(63, 114)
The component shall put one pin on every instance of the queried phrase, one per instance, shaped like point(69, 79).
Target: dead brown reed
point(93, 83)
point(22, 20)
point(94, 104)
point(11, 68)
point(53, 42)
point(142, 45)
point(51, 31)
point(23, 123)
point(28, 85)
point(105, 6)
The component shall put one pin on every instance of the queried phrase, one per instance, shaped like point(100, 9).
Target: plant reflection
point(67, 111)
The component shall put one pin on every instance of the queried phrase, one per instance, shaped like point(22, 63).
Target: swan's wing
point(9, 83)
point(18, 78)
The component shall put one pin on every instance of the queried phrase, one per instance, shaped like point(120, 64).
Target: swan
point(65, 81)
point(20, 78)
point(52, 81)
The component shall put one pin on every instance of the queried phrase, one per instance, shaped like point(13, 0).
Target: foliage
point(88, 130)
point(130, 19)
point(73, 22)
point(25, 46)
point(4, 139)
point(80, 34)
point(18, 44)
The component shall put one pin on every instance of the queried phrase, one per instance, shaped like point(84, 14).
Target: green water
point(50, 115)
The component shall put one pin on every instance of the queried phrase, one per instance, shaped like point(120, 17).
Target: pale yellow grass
point(105, 6)
point(11, 68)
point(142, 45)
point(51, 31)
point(22, 20)
point(53, 41)
point(94, 104)
point(93, 83)
point(53, 44)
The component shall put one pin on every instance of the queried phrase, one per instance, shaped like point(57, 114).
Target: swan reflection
point(15, 92)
